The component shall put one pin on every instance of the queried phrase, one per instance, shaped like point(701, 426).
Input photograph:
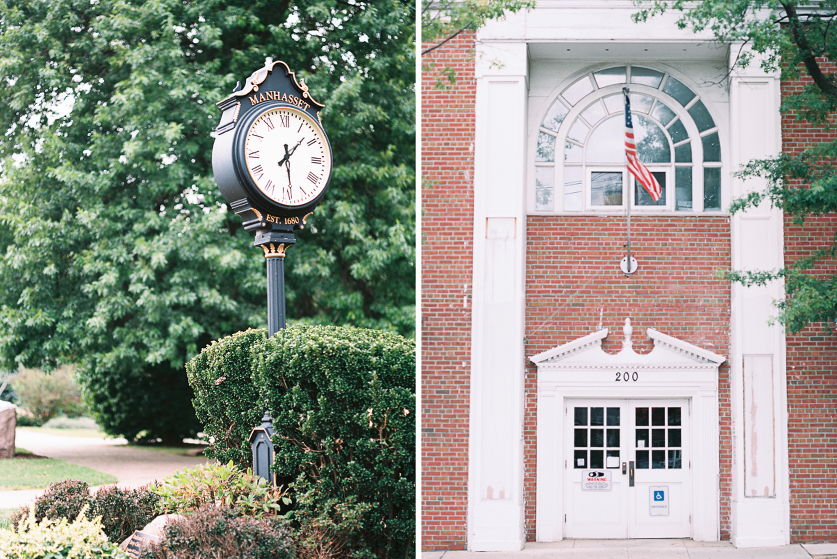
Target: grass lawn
point(67, 432)
point(38, 473)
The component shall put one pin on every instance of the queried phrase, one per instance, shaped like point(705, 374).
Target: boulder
point(8, 422)
point(153, 532)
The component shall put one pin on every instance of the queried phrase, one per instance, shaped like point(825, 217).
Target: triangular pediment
point(587, 351)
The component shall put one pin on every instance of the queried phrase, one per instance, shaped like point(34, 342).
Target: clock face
point(287, 156)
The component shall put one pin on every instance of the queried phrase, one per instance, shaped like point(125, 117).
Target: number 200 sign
point(627, 377)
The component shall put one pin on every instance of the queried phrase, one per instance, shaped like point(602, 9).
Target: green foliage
point(118, 253)
point(221, 532)
point(58, 539)
point(46, 396)
point(343, 403)
point(63, 499)
point(226, 400)
point(215, 485)
point(26, 418)
point(791, 37)
point(121, 511)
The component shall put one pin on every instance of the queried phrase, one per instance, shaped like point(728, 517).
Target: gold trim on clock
point(275, 251)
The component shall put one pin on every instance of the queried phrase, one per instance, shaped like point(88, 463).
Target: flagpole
point(628, 203)
point(627, 269)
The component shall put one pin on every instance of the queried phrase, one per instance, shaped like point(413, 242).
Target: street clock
point(272, 159)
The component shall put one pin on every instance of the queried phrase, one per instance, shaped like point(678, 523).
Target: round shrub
point(226, 400)
point(122, 511)
point(62, 499)
point(217, 532)
point(343, 403)
point(47, 395)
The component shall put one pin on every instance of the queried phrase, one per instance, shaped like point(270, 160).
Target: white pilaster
point(495, 475)
point(760, 504)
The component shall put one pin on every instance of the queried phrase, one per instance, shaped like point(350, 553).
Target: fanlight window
point(676, 138)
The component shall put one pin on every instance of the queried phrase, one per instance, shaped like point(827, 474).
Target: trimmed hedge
point(226, 400)
point(343, 406)
point(343, 403)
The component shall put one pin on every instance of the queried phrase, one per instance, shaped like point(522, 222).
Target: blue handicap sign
point(659, 495)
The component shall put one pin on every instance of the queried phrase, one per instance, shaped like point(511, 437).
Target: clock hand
point(294, 148)
point(287, 155)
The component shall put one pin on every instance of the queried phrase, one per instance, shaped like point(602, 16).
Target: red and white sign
point(596, 480)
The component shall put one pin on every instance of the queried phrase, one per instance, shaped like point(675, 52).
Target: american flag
point(637, 169)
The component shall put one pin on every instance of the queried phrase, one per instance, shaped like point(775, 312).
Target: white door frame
point(622, 511)
point(582, 370)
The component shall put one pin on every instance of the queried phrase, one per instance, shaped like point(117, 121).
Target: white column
point(495, 473)
point(760, 505)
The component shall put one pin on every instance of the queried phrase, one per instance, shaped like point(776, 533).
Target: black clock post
point(272, 162)
point(274, 244)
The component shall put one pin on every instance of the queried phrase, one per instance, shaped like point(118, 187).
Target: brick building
point(699, 418)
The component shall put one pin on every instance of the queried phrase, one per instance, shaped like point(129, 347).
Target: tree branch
point(434, 47)
point(810, 61)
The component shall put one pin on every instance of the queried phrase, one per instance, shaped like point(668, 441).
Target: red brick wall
point(811, 371)
point(572, 272)
point(447, 196)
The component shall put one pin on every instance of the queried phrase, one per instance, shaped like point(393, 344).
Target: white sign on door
point(595, 480)
point(658, 500)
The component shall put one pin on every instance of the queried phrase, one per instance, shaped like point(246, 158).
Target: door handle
point(624, 468)
point(631, 473)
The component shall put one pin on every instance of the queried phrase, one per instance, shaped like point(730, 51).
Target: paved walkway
point(132, 466)
point(645, 549)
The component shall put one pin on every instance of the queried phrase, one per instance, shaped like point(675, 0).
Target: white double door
point(643, 448)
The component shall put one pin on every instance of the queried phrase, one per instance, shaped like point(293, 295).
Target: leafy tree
point(796, 38)
point(117, 251)
point(442, 20)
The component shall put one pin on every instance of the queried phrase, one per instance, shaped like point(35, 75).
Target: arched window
point(584, 130)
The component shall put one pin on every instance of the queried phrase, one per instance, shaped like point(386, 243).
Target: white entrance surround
point(673, 369)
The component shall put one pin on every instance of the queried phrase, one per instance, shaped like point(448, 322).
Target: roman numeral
point(257, 136)
point(284, 120)
point(269, 186)
point(316, 160)
point(300, 126)
point(253, 155)
point(270, 122)
point(286, 192)
point(257, 170)
point(313, 178)
point(312, 142)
